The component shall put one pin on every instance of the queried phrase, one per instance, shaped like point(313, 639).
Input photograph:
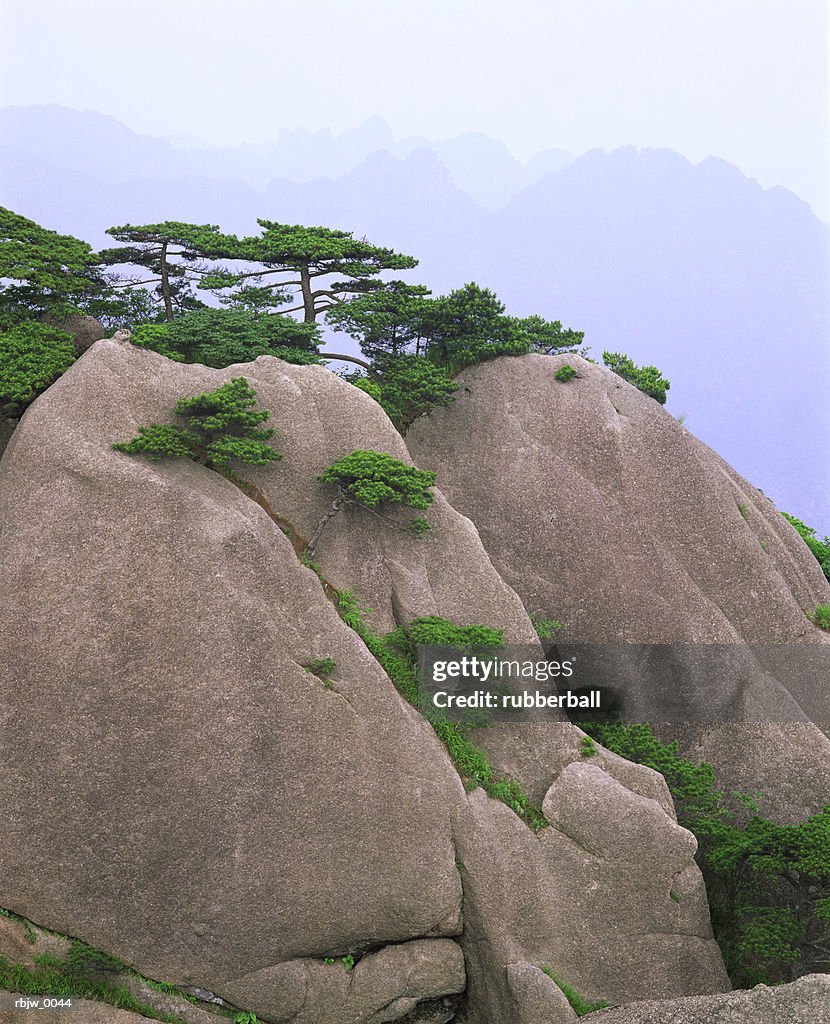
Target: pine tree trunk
point(165, 284)
point(336, 505)
point(308, 299)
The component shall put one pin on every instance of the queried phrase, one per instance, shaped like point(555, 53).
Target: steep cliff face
point(603, 512)
point(182, 792)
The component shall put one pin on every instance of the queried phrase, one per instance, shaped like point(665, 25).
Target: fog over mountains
point(695, 268)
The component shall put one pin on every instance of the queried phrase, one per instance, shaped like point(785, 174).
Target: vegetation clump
point(409, 386)
point(647, 379)
point(546, 628)
point(373, 480)
point(43, 273)
point(820, 548)
point(32, 356)
point(768, 884)
point(821, 616)
point(435, 631)
point(221, 426)
point(323, 668)
point(222, 337)
point(565, 373)
point(587, 747)
point(86, 973)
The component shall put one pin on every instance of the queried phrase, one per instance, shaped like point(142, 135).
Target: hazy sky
point(746, 80)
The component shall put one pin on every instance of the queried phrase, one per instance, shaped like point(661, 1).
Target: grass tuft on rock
point(579, 1004)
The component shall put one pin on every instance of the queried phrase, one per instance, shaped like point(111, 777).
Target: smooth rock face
point(806, 1001)
point(603, 512)
point(212, 813)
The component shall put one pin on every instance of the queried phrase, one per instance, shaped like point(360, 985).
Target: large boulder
point(604, 512)
point(631, 528)
point(181, 792)
point(191, 798)
point(84, 330)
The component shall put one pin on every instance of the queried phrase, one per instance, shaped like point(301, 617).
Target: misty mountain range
point(478, 164)
point(695, 268)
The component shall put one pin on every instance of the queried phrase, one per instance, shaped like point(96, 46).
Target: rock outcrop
point(592, 500)
point(528, 900)
point(216, 815)
point(84, 330)
point(604, 512)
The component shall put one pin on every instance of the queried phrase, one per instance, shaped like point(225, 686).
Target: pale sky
point(745, 80)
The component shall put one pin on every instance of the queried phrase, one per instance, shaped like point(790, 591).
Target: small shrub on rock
point(647, 379)
point(374, 479)
point(820, 548)
point(321, 667)
point(588, 748)
point(545, 628)
point(221, 426)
